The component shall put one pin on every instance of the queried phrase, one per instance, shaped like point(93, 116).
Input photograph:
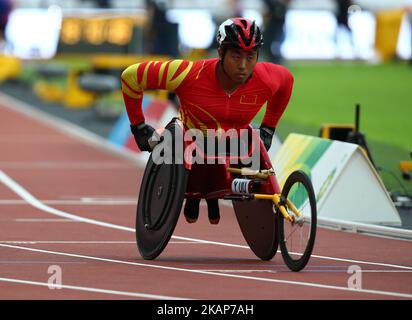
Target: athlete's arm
point(280, 99)
point(135, 79)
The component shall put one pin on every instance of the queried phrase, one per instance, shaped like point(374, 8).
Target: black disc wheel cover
point(160, 201)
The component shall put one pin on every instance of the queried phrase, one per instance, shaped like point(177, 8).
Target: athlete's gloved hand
point(266, 134)
point(142, 132)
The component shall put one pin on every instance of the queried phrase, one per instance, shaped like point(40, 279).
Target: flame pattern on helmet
point(239, 33)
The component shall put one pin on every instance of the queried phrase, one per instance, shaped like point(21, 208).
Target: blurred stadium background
point(65, 57)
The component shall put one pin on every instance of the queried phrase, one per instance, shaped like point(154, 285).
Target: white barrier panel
point(346, 185)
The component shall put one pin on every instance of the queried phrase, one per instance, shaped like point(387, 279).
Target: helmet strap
point(221, 53)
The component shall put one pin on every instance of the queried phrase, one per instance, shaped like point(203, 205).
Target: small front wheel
point(296, 240)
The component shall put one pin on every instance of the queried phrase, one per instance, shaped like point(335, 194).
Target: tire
point(298, 188)
point(160, 201)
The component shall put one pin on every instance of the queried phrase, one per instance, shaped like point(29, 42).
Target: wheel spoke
point(294, 230)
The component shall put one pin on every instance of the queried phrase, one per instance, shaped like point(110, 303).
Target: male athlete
point(224, 93)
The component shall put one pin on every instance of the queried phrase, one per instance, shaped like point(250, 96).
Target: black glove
point(142, 132)
point(266, 134)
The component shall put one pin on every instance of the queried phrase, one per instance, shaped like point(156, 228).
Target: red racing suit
point(203, 103)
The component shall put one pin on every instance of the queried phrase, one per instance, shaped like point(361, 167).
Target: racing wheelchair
point(268, 216)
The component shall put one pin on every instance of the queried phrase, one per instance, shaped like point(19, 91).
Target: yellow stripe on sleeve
point(173, 67)
point(129, 81)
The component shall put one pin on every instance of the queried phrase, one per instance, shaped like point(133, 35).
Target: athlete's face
point(239, 64)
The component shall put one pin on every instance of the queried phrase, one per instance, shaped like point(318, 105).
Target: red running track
point(51, 180)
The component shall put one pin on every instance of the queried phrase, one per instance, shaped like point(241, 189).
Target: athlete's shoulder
point(205, 65)
point(174, 73)
point(207, 62)
point(201, 70)
point(271, 73)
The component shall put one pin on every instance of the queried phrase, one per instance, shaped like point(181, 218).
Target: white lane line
point(241, 270)
point(307, 270)
point(86, 242)
point(185, 242)
point(81, 202)
point(39, 262)
point(96, 290)
point(66, 242)
point(219, 274)
point(24, 194)
point(385, 271)
point(362, 262)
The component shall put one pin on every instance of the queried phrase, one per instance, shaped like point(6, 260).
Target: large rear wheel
point(259, 226)
point(160, 201)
